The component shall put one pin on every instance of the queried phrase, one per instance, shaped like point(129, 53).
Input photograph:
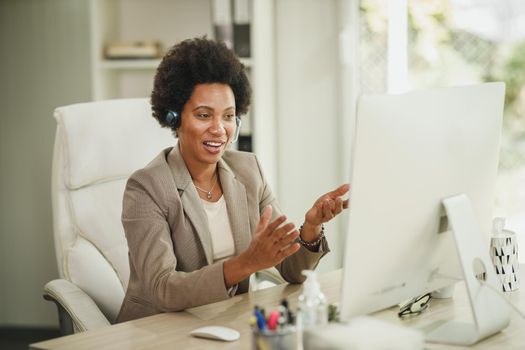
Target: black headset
point(173, 121)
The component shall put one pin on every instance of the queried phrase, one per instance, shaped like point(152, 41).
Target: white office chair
point(97, 146)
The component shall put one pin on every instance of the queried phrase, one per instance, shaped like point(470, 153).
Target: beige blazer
point(170, 249)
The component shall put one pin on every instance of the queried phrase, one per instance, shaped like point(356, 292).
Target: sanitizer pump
point(312, 307)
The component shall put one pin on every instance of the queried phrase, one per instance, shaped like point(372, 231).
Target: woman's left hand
point(325, 208)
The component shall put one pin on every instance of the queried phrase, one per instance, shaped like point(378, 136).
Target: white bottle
point(312, 308)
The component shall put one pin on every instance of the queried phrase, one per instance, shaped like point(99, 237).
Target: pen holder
point(280, 339)
point(504, 254)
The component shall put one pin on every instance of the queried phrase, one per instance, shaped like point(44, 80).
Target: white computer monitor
point(410, 152)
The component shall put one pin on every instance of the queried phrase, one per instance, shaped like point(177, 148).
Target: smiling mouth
point(213, 147)
point(213, 144)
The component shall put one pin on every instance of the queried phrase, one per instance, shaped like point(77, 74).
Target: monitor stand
point(490, 313)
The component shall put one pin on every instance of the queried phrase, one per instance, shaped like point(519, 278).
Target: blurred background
point(308, 60)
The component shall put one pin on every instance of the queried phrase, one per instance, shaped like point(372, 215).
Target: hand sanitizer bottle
point(312, 307)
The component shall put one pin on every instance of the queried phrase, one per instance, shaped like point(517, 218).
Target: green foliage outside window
point(441, 55)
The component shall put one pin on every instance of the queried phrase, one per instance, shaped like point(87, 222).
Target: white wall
point(308, 110)
point(264, 83)
point(44, 63)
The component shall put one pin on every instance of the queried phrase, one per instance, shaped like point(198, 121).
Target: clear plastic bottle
point(312, 307)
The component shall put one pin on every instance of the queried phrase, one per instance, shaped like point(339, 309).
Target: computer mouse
point(216, 332)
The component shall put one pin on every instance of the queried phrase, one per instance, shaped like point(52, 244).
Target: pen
point(272, 320)
point(253, 321)
point(261, 322)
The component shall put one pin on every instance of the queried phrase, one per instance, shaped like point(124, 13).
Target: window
point(452, 42)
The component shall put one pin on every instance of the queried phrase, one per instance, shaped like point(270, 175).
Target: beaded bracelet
point(314, 243)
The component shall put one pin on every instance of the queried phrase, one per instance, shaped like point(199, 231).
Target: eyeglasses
point(415, 306)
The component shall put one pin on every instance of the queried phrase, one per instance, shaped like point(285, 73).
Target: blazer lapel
point(237, 205)
point(191, 201)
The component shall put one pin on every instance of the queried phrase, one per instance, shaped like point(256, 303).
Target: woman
point(199, 220)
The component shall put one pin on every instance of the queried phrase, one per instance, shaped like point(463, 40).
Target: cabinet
point(163, 21)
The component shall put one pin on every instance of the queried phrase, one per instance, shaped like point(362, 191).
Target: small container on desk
point(280, 339)
point(504, 254)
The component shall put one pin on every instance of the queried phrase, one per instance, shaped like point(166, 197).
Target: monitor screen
point(410, 152)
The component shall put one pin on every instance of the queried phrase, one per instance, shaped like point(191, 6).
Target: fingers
point(282, 231)
point(266, 215)
point(339, 191)
point(276, 223)
point(331, 204)
point(334, 195)
point(290, 250)
point(272, 233)
point(265, 219)
point(270, 249)
point(287, 238)
point(329, 208)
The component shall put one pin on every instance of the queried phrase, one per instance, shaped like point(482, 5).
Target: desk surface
point(164, 331)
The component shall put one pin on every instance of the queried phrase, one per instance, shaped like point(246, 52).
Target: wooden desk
point(171, 330)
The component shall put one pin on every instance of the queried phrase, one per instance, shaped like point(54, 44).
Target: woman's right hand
point(271, 242)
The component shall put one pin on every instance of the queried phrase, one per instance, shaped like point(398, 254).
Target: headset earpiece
point(237, 129)
point(173, 119)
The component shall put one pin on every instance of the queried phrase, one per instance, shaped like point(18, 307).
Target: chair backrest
point(97, 146)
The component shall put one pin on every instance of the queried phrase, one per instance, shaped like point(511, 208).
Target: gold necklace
point(208, 193)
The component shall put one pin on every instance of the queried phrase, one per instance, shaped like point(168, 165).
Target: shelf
point(247, 61)
point(147, 63)
point(130, 64)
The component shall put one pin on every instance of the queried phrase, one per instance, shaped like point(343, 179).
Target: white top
point(220, 229)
